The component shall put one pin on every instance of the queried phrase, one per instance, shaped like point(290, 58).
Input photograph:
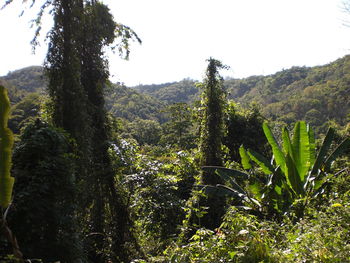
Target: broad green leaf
point(210, 190)
point(293, 178)
point(277, 153)
point(232, 182)
point(337, 152)
point(287, 145)
point(301, 149)
point(320, 182)
point(228, 175)
point(254, 201)
point(260, 160)
point(321, 157)
point(226, 171)
point(245, 160)
point(223, 189)
point(234, 193)
point(277, 178)
point(278, 190)
point(312, 145)
point(256, 189)
point(6, 143)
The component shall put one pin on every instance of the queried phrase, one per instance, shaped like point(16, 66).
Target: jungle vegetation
point(215, 170)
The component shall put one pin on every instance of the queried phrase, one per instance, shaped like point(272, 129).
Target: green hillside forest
point(195, 171)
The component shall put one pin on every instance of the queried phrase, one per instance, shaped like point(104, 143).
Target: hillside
point(121, 101)
point(182, 91)
point(318, 95)
point(129, 104)
point(29, 79)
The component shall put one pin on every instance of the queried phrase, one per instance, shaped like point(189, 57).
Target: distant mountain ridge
point(318, 95)
point(29, 79)
point(121, 101)
point(173, 92)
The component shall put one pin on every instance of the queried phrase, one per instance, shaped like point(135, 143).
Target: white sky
point(251, 36)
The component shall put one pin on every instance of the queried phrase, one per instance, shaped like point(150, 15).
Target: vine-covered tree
point(211, 135)
point(212, 124)
point(77, 48)
point(43, 215)
point(108, 214)
point(78, 71)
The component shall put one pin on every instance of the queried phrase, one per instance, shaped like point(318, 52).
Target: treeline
point(319, 95)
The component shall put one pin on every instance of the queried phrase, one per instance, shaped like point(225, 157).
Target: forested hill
point(29, 79)
point(182, 91)
point(121, 101)
point(315, 94)
point(129, 104)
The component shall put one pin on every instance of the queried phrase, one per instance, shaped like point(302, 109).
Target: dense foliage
point(318, 95)
point(126, 103)
point(44, 210)
point(29, 79)
point(173, 172)
point(321, 236)
point(300, 93)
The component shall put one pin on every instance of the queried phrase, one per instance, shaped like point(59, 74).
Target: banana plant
point(6, 143)
point(295, 173)
point(304, 172)
point(6, 180)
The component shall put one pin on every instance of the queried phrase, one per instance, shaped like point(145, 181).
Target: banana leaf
point(260, 160)
point(312, 144)
point(6, 143)
point(336, 153)
point(278, 154)
point(321, 157)
point(245, 160)
point(226, 171)
point(293, 178)
point(301, 149)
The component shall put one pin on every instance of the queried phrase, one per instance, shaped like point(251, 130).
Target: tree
point(44, 206)
point(244, 127)
point(6, 180)
point(25, 111)
point(145, 131)
point(177, 129)
point(77, 73)
point(108, 213)
point(212, 125)
point(211, 134)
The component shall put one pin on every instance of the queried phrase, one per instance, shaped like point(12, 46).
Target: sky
point(253, 37)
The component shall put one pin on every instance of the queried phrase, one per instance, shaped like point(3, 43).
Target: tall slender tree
point(63, 68)
point(213, 102)
point(78, 71)
point(211, 136)
point(78, 42)
point(212, 124)
point(108, 213)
